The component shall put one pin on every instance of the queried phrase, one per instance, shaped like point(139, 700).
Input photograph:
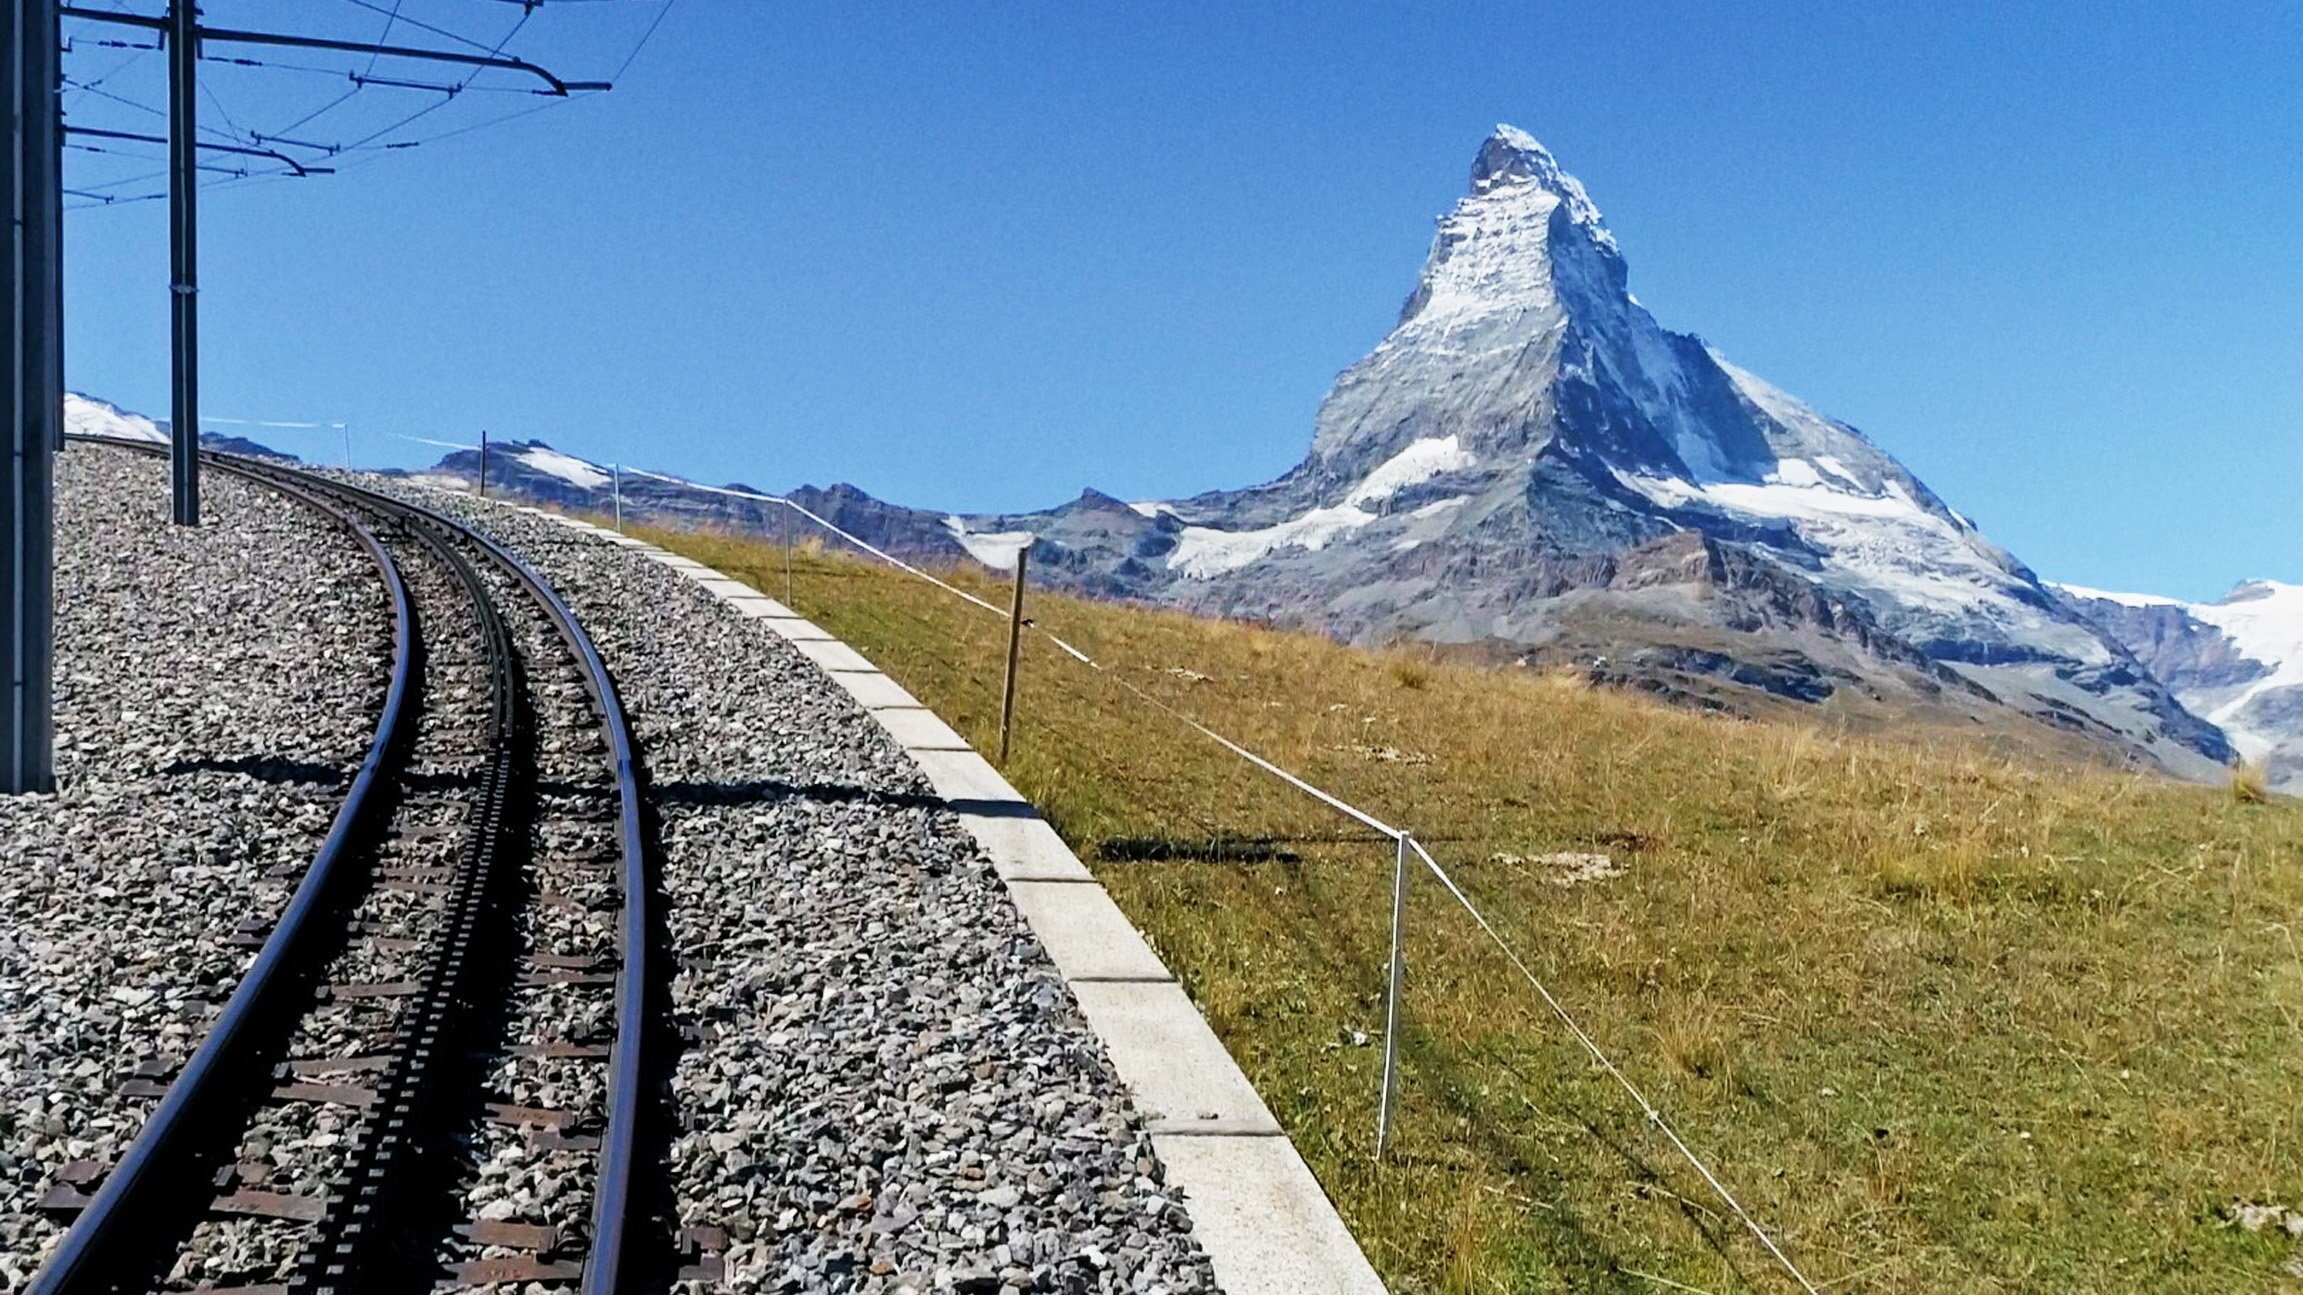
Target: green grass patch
point(1944, 1019)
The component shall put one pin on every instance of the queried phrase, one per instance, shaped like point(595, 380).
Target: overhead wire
point(139, 51)
point(426, 111)
point(235, 134)
point(373, 144)
point(645, 37)
point(517, 24)
point(443, 32)
point(316, 113)
point(389, 19)
point(529, 111)
point(146, 108)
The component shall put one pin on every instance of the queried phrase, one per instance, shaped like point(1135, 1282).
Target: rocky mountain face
point(1531, 465)
point(2238, 662)
point(1530, 460)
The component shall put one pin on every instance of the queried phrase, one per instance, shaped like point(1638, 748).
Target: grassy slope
point(1945, 1022)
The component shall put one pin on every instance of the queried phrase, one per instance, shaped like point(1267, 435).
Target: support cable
point(239, 149)
point(251, 142)
point(645, 37)
point(386, 34)
point(393, 14)
point(90, 87)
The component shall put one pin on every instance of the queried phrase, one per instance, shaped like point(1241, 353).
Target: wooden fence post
point(1015, 646)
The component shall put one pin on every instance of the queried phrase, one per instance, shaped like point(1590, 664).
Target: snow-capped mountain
point(1530, 462)
point(88, 416)
point(1530, 458)
point(2238, 662)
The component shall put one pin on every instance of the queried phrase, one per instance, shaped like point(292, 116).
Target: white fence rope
point(426, 440)
point(1336, 803)
point(881, 554)
point(1648, 1109)
point(266, 422)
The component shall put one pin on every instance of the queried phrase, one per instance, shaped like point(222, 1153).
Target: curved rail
point(614, 1197)
point(102, 1243)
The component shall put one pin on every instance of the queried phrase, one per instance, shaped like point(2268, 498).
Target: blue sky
point(978, 256)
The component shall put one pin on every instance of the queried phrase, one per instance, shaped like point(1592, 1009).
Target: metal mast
point(180, 29)
point(31, 384)
point(183, 39)
point(32, 324)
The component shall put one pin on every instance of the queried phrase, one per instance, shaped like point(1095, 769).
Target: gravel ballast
point(215, 687)
point(885, 1085)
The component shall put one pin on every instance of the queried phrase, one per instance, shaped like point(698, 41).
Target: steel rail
point(106, 1242)
point(370, 1192)
point(614, 1197)
point(109, 1245)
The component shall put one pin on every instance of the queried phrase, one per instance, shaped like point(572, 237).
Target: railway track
point(435, 1071)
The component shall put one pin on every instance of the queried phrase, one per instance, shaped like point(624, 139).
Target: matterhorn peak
point(1512, 156)
point(1527, 240)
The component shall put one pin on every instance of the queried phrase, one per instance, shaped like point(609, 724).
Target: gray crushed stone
point(297, 1147)
point(887, 1088)
point(215, 687)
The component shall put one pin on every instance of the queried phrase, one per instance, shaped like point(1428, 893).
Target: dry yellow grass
point(1944, 1020)
point(2248, 784)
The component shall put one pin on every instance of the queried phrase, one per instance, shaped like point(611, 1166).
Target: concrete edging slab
point(1265, 1223)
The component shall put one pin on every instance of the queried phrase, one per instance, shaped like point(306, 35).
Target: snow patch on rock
point(85, 416)
point(995, 549)
point(1884, 546)
point(2260, 621)
point(1202, 552)
point(1418, 463)
point(2124, 600)
point(2264, 621)
point(567, 467)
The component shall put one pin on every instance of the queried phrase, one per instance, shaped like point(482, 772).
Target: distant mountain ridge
point(1528, 463)
point(1530, 460)
point(2237, 662)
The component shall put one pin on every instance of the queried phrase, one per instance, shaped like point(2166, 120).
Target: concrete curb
point(1255, 1207)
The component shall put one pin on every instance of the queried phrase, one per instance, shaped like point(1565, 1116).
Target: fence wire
point(1406, 841)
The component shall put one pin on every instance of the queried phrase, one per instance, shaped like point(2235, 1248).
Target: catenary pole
point(180, 30)
point(183, 42)
point(32, 385)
